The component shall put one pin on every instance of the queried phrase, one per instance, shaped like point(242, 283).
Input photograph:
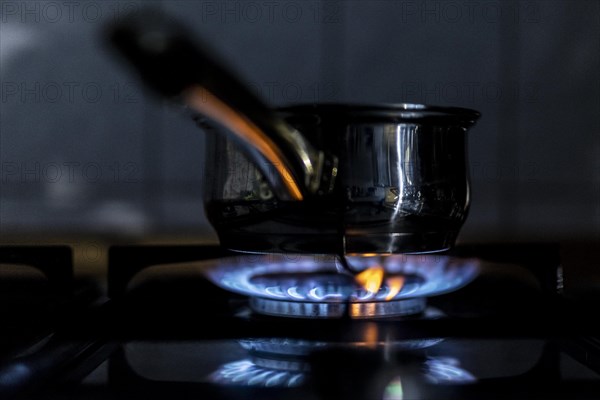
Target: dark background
point(84, 148)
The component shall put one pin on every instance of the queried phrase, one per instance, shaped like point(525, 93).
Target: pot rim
point(392, 112)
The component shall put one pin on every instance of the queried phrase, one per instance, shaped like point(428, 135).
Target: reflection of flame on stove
point(247, 373)
point(440, 370)
point(437, 370)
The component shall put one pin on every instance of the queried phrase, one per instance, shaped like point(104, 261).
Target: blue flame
point(305, 279)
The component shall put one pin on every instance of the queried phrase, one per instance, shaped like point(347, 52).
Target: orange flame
point(395, 284)
point(371, 278)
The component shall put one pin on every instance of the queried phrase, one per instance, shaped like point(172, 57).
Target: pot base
point(354, 243)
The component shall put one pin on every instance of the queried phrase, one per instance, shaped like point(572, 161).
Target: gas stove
point(199, 322)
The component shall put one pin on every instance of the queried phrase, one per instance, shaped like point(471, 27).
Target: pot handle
point(172, 64)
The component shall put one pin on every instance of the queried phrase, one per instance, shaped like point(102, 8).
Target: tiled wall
point(83, 147)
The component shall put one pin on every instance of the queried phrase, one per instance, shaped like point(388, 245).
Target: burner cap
point(374, 309)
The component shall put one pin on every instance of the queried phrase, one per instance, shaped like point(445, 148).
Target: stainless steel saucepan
point(323, 178)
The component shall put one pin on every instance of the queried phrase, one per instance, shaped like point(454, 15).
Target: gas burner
point(314, 287)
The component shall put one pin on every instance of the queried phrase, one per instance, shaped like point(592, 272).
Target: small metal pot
point(313, 178)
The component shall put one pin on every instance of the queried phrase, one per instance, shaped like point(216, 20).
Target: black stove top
point(164, 330)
